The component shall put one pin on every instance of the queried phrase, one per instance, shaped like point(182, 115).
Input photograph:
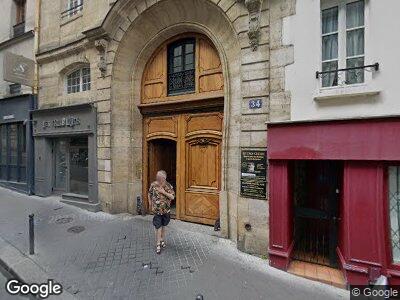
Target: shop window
point(343, 45)
point(181, 67)
point(13, 152)
point(78, 81)
point(394, 211)
point(3, 152)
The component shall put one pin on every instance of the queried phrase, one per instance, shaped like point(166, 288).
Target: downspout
point(36, 45)
point(34, 100)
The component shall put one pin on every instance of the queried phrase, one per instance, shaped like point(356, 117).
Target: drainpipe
point(36, 45)
point(34, 100)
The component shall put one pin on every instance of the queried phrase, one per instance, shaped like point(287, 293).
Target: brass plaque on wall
point(253, 179)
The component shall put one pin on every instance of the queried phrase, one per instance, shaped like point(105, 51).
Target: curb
point(24, 269)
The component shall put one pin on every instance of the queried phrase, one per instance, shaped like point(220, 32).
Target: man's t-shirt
point(161, 204)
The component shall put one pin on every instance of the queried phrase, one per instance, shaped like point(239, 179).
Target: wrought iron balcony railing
point(374, 67)
point(345, 76)
point(15, 88)
point(18, 29)
point(72, 11)
point(181, 82)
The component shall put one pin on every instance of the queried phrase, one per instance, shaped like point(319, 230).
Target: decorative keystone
point(101, 46)
point(254, 8)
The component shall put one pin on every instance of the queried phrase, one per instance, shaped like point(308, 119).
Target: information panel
point(253, 181)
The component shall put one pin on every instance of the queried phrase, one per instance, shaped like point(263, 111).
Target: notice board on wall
point(253, 179)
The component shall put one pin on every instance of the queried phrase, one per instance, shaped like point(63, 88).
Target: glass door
point(61, 165)
point(79, 171)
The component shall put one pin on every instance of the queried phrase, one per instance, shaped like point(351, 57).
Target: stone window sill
point(359, 90)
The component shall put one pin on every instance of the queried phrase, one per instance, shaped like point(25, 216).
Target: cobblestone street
point(100, 256)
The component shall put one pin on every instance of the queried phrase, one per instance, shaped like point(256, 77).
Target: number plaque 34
point(255, 103)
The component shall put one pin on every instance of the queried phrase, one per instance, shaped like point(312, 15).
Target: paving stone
point(115, 259)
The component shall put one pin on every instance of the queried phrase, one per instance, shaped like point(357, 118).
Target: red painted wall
point(362, 228)
point(366, 146)
point(339, 140)
point(280, 214)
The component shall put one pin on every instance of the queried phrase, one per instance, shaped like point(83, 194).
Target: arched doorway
point(182, 103)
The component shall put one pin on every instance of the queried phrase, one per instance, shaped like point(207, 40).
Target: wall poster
point(253, 180)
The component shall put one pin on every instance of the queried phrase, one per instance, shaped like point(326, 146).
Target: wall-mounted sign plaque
point(255, 103)
point(18, 69)
point(253, 180)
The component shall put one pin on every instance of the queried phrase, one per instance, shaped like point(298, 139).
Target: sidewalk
point(113, 257)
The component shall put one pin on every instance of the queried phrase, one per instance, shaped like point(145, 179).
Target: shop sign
point(9, 117)
point(253, 181)
point(69, 121)
point(18, 69)
point(64, 120)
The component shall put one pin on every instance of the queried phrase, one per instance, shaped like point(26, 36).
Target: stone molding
point(101, 47)
point(254, 8)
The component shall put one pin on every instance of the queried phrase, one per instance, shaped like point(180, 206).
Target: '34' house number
point(255, 103)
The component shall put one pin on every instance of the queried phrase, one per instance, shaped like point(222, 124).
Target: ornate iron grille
point(15, 88)
point(344, 76)
point(181, 82)
point(19, 29)
point(75, 8)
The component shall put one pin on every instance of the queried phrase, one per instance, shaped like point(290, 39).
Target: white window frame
point(81, 85)
point(342, 55)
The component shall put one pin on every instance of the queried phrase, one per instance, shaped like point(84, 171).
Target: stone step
point(81, 201)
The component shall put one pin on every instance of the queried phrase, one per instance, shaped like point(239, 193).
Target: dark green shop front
point(16, 143)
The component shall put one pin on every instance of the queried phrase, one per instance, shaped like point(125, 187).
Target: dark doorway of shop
point(316, 196)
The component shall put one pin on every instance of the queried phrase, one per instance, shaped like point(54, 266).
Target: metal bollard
point(31, 234)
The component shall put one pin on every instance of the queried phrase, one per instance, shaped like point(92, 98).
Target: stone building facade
point(17, 95)
point(334, 163)
point(115, 40)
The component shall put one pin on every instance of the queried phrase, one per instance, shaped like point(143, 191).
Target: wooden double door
point(188, 147)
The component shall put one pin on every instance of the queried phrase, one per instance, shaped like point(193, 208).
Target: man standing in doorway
point(161, 193)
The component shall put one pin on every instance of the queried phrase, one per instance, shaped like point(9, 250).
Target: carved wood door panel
point(198, 161)
point(201, 154)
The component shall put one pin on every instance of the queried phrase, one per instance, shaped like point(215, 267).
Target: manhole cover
point(64, 220)
point(76, 229)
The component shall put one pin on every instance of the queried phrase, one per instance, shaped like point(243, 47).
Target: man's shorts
point(161, 220)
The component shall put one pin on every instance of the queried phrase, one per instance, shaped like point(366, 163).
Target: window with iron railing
point(15, 88)
point(19, 27)
point(343, 43)
point(73, 8)
point(181, 67)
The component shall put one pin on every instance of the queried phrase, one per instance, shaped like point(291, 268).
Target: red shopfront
point(334, 190)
